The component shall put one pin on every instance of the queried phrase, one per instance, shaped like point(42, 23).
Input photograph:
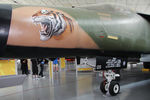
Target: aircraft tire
point(103, 87)
point(114, 88)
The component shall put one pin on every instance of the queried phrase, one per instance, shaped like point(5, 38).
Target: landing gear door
point(105, 63)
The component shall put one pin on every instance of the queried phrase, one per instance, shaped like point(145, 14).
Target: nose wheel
point(114, 88)
point(103, 87)
point(110, 84)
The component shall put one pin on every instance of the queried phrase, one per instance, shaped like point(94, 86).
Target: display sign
point(7, 67)
point(104, 63)
point(62, 61)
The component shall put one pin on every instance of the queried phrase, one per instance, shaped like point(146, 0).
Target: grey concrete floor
point(135, 85)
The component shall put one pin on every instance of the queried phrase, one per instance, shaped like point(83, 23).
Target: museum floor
point(66, 85)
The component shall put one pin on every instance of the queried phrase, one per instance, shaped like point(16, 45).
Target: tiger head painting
point(52, 23)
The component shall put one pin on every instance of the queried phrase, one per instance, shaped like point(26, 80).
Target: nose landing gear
point(110, 84)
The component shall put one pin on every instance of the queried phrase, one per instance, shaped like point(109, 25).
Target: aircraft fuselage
point(34, 31)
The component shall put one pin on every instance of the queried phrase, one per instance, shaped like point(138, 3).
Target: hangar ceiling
point(142, 6)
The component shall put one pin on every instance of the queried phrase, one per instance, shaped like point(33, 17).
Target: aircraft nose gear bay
point(107, 66)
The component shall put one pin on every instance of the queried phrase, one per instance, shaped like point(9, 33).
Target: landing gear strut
point(110, 84)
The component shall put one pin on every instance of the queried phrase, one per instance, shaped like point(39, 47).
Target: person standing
point(55, 63)
point(24, 66)
point(41, 62)
point(34, 68)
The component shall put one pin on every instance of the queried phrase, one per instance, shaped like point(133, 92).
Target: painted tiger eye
point(44, 11)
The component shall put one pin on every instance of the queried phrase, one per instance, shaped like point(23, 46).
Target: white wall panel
point(138, 5)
